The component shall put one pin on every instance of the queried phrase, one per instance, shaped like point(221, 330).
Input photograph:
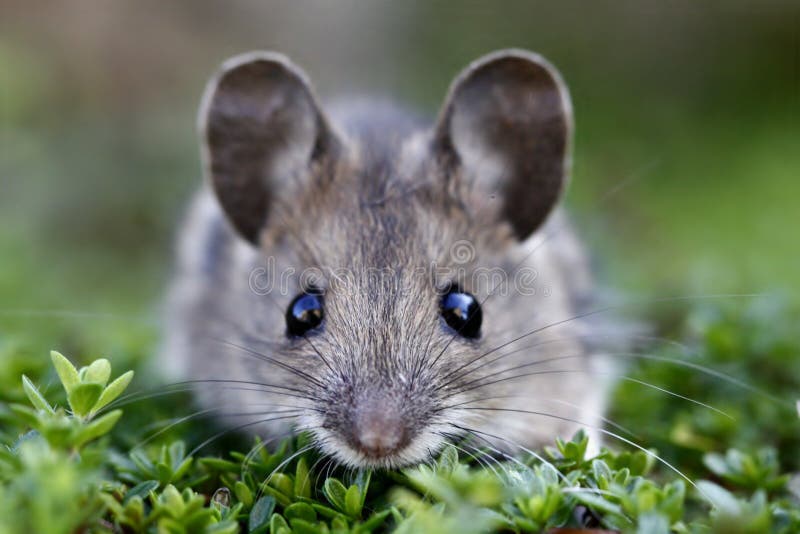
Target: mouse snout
point(379, 428)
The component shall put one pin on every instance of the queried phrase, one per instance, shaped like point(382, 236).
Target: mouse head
point(395, 226)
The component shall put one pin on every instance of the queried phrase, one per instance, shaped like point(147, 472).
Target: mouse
point(384, 282)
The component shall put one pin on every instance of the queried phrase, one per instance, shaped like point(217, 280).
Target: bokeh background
point(687, 152)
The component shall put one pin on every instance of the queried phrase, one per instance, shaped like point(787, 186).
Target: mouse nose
point(380, 429)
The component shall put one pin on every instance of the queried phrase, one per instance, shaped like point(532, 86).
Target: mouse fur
point(381, 213)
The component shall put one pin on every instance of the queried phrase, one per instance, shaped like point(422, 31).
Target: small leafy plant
point(88, 392)
point(85, 467)
point(52, 476)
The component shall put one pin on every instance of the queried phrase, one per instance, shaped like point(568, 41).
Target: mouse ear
point(260, 126)
point(505, 129)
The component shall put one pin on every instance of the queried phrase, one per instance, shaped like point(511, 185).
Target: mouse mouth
point(380, 452)
point(376, 454)
point(378, 425)
point(414, 452)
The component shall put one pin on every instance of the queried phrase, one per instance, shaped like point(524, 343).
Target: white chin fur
point(422, 448)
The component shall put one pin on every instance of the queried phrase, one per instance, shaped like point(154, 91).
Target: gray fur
point(376, 202)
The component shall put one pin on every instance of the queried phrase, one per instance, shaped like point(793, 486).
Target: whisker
point(463, 440)
point(482, 463)
point(251, 454)
point(188, 386)
point(717, 374)
point(295, 371)
point(314, 466)
point(598, 311)
point(450, 378)
point(478, 433)
point(172, 423)
point(674, 361)
point(419, 363)
point(558, 401)
point(236, 429)
point(321, 357)
point(280, 466)
point(329, 467)
point(618, 377)
point(217, 411)
point(604, 431)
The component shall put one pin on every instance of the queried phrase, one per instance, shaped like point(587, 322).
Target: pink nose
point(379, 431)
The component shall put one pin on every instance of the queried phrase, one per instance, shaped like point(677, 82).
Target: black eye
point(462, 313)
point(304, 313)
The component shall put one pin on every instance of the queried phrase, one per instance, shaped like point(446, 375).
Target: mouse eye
point(304, 313)
point(462, 313)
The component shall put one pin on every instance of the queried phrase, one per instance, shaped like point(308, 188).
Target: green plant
point(84, 467)
point(52, 476)
point(88, 392)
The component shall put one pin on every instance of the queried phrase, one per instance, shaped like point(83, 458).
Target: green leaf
point(598, 503)
point(141, 460)
point(99, 371)
point(339, 526)
point(219, 464)
point(243, 493)
point(352, 501)
point(35, 396)
point(362, 480)
point(66, 371)
point(716, 463)
point(622, 476)
point(260, 514)
point(173, 454)
point(283, 483)
point(397, 515)
point(59, 431)
point(172, 499)
point(98, 427)
point(278, 525)
point(301, 526)
point(179, 472)
point(375, 521)
point(719, 497)
point(326, 511)
point(448, 460)
point(113, 390)
point(164, 474)
point(335, 492)
point(83, 397)
point(141, 490)
point(300, 510)
point(652, 523)
point(27, 415)
point(601, 472)
point(302, 480)
point(282, 499)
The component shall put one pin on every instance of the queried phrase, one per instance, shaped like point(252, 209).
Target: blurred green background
point(693, 106)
